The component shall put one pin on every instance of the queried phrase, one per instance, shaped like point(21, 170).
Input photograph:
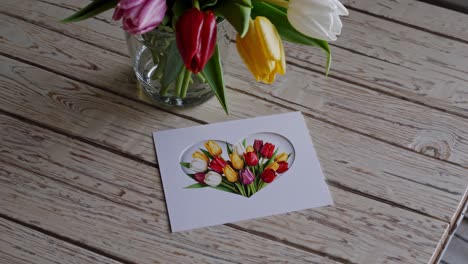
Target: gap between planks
point(63, 238)
point(401, 23)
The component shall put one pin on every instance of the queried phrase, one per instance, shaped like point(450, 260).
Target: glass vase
point(154, 58)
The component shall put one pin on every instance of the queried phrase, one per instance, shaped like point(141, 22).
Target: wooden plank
point(66, 181)
point(21, 245)
point(417, 14)
point(430, 69)
point(428, 131)
point(348, 159)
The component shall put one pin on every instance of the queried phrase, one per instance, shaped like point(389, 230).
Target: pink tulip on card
point(140, 16)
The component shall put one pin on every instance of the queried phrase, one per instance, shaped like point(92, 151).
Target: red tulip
point(200, 177)
point(217, 164)
point(196, 38)
point(258, 145)
point(268, 175)
point(283, 166)
point(267, 150)
point(251, 158)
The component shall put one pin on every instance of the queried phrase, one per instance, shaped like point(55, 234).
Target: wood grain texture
point(101, 196)
point(430, 69)
point(417, 14)
point(348, 159)
point(428, 131)
point(21, 245)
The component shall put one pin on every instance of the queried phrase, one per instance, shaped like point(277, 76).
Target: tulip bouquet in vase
point(177, 46)
point(248, 169)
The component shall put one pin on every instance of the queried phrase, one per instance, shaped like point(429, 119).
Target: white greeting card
point(238, 170)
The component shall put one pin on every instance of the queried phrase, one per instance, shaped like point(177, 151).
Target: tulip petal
point(341, 10)
point(268, 38)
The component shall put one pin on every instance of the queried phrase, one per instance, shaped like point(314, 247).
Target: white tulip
point(198, 165)
point(317, 18)
point(213, 179)
point(239, 149)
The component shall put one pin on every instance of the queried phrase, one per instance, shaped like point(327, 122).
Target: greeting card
point(238, 170)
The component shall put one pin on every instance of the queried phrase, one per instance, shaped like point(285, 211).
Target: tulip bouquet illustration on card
point(243, 168)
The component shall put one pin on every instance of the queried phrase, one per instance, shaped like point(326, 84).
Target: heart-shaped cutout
point(243, 168)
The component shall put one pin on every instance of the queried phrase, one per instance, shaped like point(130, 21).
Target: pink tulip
point(140, 16)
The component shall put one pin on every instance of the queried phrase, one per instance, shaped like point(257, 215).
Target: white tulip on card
point(213, 179)
point(239, 149)
point(317, 18)
point(198, 165)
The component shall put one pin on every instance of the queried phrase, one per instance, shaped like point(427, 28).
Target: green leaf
point(196, 186)
point(213, 73)
point(287, 32)
point(185, 164)
point(173, 66)
point(237, 12)
point(94, 8)
point(244, 142)
point(229, 150)
point(207, 154)
point(180, 6)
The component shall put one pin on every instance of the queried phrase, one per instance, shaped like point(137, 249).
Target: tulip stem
point(185, 84)
point(180, 80)
point(196, 4)
point(281, 3)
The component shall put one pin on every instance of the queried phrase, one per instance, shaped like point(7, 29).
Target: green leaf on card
point(278, 17)
point(207, 154)
point(213, 73)
point(229, 150)
point(185, 165)
point(94, 8)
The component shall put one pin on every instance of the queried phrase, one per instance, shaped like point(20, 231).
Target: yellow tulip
point(200, 155)
point(230, 173)
point(249, 149)
point(274, 166)
point(213, 148)
point(262, 50)
point(281, 157)
point(237, 162)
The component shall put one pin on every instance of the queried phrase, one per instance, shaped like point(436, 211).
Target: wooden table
point(79, 181)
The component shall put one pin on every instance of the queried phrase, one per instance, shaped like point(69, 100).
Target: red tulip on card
point(251, 158)
point(258, 145)
point(217, 164)
point(196, 38)
point(268, 175)
point(200, 177)
point(283, 166)
point(267, 150)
